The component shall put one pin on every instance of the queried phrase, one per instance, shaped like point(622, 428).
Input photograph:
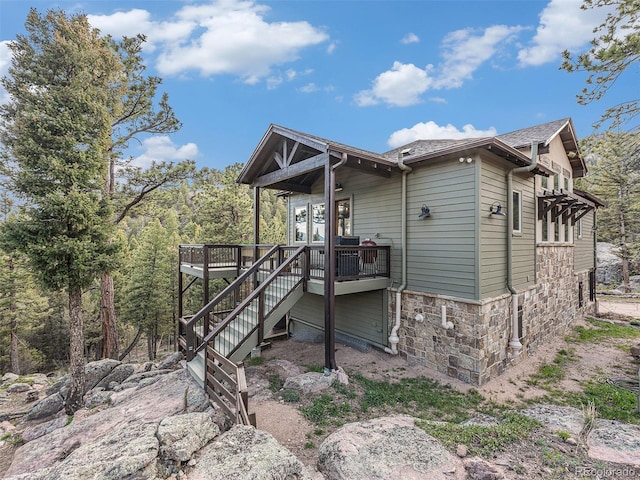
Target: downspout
point(393, 337)
point(514, 343)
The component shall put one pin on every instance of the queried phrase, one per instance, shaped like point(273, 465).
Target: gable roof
point(298, 147)
point(422, 151)
point(264, 162)
point(544, 134)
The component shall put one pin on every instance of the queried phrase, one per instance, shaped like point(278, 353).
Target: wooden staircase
point(215, 357)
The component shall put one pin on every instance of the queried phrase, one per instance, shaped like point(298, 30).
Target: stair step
point(196, 368)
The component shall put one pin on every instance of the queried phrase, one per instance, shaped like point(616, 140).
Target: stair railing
point(285, 278)
point(247, 277)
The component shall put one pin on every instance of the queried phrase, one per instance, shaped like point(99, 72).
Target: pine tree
point(613, 51)
point(55, 131)
point(615, 177)
point(135, 113)
point(149, 292)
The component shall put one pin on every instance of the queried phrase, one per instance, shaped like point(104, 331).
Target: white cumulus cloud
point(219, 37)
point(401, 86)
point(563, 26)
point(162, 149)
point(431, 130)
point(464, 51)
point(410, 38)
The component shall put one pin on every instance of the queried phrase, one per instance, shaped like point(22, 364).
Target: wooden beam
point(305, 166)
point(292, 187)
point(321, 147)
point(372, 168)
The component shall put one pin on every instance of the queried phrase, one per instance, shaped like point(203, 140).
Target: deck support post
point(256, 222)
point(330, 264)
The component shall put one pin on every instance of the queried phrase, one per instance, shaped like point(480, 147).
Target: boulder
point(31, 396)
point(611, 439)
point(182, 435)
point(478, 469)
point(96, 371)
point(386, 448)
point(609, 267)
point(18, 387)
point(10, 377)
point(244, 453)
point(46, 407)
point(96, 397)
point(39, 429)
point(137, 377)
point(310, 382)
point(118, 375)
point(122, 453)
point(60, 385)
point(171, 362)
point(169, 396)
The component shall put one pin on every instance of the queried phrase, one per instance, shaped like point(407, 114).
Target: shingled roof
point(538, 133)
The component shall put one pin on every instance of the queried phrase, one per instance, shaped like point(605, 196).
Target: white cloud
point(410, 38)
point(220, 37)
point(464, 51)
point(331, 47)
point(309, 88)
point(431, 130)
point(233, 38)
point(400, 87)
point(563, 26)
point(162, 148)
point(5, 61)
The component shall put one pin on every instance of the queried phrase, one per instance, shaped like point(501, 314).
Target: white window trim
point(519, 207)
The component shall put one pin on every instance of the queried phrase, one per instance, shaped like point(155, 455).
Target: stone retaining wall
point(477, 348)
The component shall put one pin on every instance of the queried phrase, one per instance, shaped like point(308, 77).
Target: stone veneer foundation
point(477, 348)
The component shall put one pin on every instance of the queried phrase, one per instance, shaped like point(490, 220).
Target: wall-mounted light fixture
point(338, 187)
point(425, 212)
point(496, 209)
point(465, 159)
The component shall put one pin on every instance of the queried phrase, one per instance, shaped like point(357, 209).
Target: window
point(517, 212)
point(579, 228)
point(544, 182)
point(545, 228)
point(556, 181)
point(556, 230)
point(566, 184)
point(317, 222)
point(343, 217)
point(301, 224)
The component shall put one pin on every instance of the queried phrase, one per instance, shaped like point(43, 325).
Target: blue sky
point(371, 74)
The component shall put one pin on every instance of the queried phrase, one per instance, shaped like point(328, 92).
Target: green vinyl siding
point(375, 209)
point(441, 249)
point(493, 231)
point(362, 315)
point(583, 247)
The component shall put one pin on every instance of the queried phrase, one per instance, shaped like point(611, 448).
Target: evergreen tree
point(55, 131)
point(615, 177)
point(615, 48)
point(149, 292)
point(135, 113)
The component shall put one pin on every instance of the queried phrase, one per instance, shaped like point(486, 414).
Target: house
point(463, 255)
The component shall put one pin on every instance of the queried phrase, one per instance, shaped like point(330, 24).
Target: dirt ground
point(286, 423)
point(591, 360)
